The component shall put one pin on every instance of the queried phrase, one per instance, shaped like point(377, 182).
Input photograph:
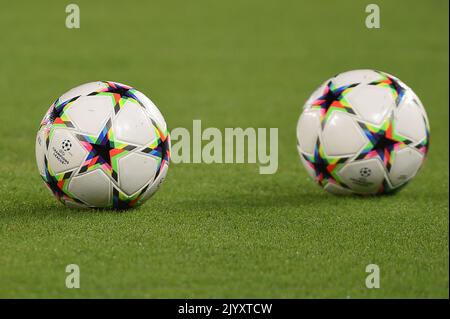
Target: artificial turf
point(222, 230)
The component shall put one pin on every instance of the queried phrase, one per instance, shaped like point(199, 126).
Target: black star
point(320, 167)
point(52, 181)
point(384, 143)
point(122, 91)
point(99, 148)
point(393, 84)
point(55, 113)
point(331, 94)
point(333, 97)
point(58, 110)
point(119, 92)
point(122, 202)
point(397, 86)
point(103, 151)
point(161, 150)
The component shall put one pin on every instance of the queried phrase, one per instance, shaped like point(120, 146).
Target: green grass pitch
point(222, 230)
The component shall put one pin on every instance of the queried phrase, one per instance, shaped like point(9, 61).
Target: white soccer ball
point(363, 132)
point(103, 144)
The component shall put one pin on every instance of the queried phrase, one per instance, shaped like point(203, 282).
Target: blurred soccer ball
point(363, 132)
point(103, 144)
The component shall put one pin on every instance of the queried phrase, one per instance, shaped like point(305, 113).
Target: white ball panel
point(341, 136)
point(336, 189)
point(409, 120)
point(90, 113)
point(413, 98)
point(372, 103)
point(132, 125)
point(407, 162)
point(83, 89)
point(308, 128)
point(155, 186)
point(40, 151)
point(364, 176)
point(60, 159)
point(135, 171)
point(93, 188)
point(356, 76)
point(152, 109)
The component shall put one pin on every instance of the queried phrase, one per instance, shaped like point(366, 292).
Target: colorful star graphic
point(57, 116)
point(389, 82)
point(333, 98)
point(325, 167)
point(123, 201)
point(58, 183)
point(120, 94)
point(383, 141)
point(104, 151)
point(159, 148)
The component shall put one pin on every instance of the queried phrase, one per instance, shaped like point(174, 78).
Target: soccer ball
point(103, 144)
point(363, 132)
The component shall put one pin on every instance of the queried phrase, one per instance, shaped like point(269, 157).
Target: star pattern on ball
point(382, 142)
point(103, 151)
point(333, 98)
point(397, 89)
point(159, 148)
point(120, 94)
point(325, 167)
point(122, 201)
point(58, 183)
point(57, 116)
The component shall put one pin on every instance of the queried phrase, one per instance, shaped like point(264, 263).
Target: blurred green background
point(222, 230)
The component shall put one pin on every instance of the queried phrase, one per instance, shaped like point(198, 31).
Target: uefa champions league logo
point(66, 145)
point(365, 172)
